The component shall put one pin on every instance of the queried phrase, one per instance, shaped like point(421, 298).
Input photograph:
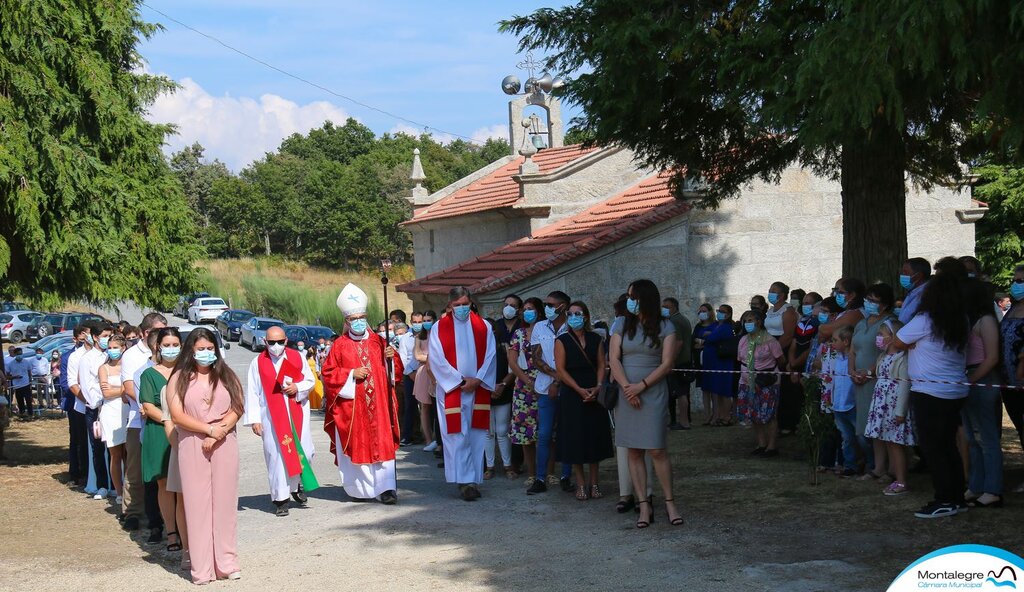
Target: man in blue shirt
point(913, 276)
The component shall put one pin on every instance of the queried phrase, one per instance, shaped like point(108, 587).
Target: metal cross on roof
point(530, 65)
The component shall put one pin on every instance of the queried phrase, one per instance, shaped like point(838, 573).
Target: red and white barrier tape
point(810, 374)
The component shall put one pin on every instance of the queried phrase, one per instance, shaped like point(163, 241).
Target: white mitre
point(352, 301)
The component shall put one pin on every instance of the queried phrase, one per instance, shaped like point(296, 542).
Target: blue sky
point(438, 63)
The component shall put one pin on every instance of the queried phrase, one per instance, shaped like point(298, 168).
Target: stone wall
point(456, 240)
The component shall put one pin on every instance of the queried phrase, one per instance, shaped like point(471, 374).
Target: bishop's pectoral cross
point(287, 443)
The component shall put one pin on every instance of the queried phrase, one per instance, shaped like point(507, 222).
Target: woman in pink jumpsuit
point(205, 398)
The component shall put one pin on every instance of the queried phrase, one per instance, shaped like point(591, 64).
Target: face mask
point(205, 357)
point(323, 346)
point(576, 323)
point(794, 303)
point(19, 358)
point(382, 334)
point(358, 326)
point(103, 342)
point(972, 275)
point(871, 308)
point(879, 342)
point(905, 282)
point(170, 353)
point(114, 354)
point(841, 300)
point(550, 312)
point(509, 312)
point(807, 309)
point(749, 327)
point(633, 306)
point(427, 325)
point(772, 297)
point(1017, 291)
point(665, 312)
point(702, 315)
point(88, 339)
point(529, 316)
point(277, 349)
point(461, 312)
point(823, 317)
point(416, 328)
point(897, 310)
point(720, 315)
point(39, 356)
point(133, 342)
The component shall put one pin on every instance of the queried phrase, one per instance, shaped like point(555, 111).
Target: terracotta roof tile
point(643, 205)
point(498, 189)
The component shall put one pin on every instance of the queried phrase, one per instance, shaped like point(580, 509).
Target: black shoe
point(936, 510)
point(473, 491)
point(770, 453)
point(130, 523)
point(155, 535)
point(566, 484)
point(282, 508)
point(538, 487)
point(300, 496)
point(758, 451)
point(848, 473)
point(466, 493)
point(389, 497)
point(404, 443)
point(438, 453)
point(625, 505)
point(440, 465)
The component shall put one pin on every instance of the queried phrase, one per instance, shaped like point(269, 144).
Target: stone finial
point(529, 167)
point(419, 192)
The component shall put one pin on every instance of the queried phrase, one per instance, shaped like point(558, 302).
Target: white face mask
point(509, 312)
point(276, 350)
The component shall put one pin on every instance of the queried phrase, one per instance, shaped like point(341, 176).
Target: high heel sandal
point(674, 522)
point(176, 546)
point(645, 523)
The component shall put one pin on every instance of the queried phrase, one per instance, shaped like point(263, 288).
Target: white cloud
point(498, 131)
point(481, 135)
point(237, 130)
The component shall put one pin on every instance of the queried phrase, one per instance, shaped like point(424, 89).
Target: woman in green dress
point(156, 449)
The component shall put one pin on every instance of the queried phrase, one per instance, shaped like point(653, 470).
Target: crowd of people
point(551, 392)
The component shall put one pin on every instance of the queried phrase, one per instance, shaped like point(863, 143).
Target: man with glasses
point(277, 410)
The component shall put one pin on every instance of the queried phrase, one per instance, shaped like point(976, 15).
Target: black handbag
point(766, 377)
point(607, 392)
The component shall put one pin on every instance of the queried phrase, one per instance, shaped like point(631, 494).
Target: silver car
point(14, 323)
point(254, 332)
point(184, 330)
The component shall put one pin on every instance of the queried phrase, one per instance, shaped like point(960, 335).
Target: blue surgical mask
point(114, 354)
point(104, 341)
point(416, 328)
point(720, 315)
point(702, 315)
point(633, 306)
point(427, 325)
point(897, 310)
point(665, 312)
point(576, 322)
point(841, 300)
point(529, 316)
point(550, 312)
point(88, 339)
point(906, 282)
point(358, 326)
point(823, 317)
point(170, 353)
point(749, 327)
point(772, 297)
point(461, 312)
point(871, 308)
point(807, 309)
point(39, 356)
point(205, 357)
point(1017, 291)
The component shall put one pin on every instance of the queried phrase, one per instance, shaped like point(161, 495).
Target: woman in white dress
point(113, 414)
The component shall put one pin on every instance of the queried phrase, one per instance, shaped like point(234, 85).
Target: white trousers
point(625, 481)
point(501, 416)
point(463, 450)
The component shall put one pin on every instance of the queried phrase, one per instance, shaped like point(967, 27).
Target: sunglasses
point(276, 341)
point(575, 314)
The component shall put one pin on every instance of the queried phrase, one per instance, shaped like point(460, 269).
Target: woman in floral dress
point(523, 430)
point(889, 418)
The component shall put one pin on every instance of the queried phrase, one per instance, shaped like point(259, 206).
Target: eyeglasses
point(276, 341)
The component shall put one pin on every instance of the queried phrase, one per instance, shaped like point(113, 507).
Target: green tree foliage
point(89, 208)
point(737, 90)
point(333, 197)
point(1000, 234)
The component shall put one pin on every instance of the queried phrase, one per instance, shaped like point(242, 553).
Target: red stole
point(279, 405)
point(481, 419)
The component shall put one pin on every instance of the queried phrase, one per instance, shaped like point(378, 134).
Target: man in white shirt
point(20, 370)
point(132, 362)
point(79, 442)
point(410, 409)
point(542, 343)
point(92, 397)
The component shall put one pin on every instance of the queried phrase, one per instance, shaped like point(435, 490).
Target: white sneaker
point(235, 575)
point(101, 493)
point(118, 500)
point(430, 447)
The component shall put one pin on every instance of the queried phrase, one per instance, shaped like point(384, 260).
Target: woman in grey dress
point(878, 302)
point(642, 351)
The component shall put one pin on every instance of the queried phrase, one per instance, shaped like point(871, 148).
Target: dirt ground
point(751, 524)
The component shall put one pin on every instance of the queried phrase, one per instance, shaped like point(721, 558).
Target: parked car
point(230, 322)
point(184, 330)
point(61, 342)
point(254, 332)
point(295, 334)
point(51, 323)
point(206, 310)
point(8, 306)
point(185, 302)
point(47, 341)
point(308, 334)
point(13, 324)
point(315, 332)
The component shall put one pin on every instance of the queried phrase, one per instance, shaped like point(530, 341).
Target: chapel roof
point(498, 189)
point(637, 208)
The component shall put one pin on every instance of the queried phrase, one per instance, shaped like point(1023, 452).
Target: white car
point(206, 310)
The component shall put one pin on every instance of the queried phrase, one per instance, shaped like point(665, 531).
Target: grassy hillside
point(294, 291)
